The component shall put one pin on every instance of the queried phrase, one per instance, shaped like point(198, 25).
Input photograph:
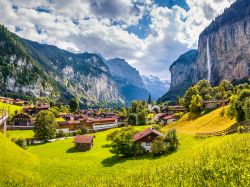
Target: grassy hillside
point(210, 122)
point(10, 108)
point(198, 162)
point(17, 166)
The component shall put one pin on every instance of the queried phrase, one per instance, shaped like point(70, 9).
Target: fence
point(242, 127)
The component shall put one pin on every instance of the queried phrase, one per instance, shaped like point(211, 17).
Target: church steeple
point(149, 99)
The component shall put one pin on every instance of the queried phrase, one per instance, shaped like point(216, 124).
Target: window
point(147, 143)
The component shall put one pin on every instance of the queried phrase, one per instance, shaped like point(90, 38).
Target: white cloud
point(170, 35)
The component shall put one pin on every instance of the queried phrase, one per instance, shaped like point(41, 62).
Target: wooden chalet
point(165, 118)
point(22, 119)
point(146, 137)
point(212, 104)
point(83, 142)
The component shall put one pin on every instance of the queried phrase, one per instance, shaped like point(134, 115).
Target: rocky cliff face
point(229, 52)
point(19, 73)
point(120, 69)
point(182, 75)
point(225, 44)
point(128, 79)
point(83, 75)
point(182, 69)
point(155, 86)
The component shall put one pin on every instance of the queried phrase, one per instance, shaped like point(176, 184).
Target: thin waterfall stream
point(208, 61)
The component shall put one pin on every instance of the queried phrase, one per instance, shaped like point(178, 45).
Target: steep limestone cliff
point(229, 45)
point(223, 50)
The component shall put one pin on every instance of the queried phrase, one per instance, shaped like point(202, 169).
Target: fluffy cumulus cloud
point(149, 36)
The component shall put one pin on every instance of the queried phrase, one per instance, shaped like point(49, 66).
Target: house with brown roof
point(146, 137)
point(83, 142)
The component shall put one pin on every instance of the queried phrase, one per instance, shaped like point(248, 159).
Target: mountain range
point(223, 53)
point(32, 69)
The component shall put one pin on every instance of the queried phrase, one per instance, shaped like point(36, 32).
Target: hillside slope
point(210, 122)
point(16, 165)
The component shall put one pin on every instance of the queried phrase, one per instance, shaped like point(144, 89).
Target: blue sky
point(148, 34)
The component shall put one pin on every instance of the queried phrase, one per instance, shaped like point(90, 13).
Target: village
point(82, 122)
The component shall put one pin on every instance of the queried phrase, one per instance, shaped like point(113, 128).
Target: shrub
point(122, 142)
point(158, 146)
point(61, 134)
point(22, 142)
point(171, 140)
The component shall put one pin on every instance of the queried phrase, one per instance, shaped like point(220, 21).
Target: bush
point(122, 142)
point(171, 140)
point(22, 142)
point(61, 134)
point(158, 146)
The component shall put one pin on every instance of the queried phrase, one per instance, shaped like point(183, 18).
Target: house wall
point(170, 121)
point(146, 145)
point(97, 127)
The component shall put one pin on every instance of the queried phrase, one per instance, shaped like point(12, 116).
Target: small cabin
point(212, 104)
point(146, 137)
point(83, 142)
point(22, 119)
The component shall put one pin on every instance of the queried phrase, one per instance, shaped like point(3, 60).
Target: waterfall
point(208, 61)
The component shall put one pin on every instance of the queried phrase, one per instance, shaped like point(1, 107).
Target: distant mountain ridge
point(155, 86)
point(128, 80)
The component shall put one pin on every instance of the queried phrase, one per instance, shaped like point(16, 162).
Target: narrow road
point(3, 121)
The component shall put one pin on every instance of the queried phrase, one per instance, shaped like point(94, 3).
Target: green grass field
point(20, 134)
point(216, 161)
point(10, 108)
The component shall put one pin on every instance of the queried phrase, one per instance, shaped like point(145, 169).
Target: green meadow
point(216, 161)
point(10, 108)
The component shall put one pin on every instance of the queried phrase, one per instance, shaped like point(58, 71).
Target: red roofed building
point(146, 137)
point(83, 142)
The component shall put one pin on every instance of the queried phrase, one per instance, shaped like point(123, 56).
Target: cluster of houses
point(13, 101)
point(89, 119)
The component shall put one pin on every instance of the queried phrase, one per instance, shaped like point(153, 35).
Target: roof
point(69, 122)
point(168, 117)
point(83, 139)
point(21, 114)
point(216, 101)
point(145, 133)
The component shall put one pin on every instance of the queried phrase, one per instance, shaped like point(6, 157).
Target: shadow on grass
point(72, 150)
point(106, 145)
point(111, 161)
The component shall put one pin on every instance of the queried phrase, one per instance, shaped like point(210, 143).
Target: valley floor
point(216, 161)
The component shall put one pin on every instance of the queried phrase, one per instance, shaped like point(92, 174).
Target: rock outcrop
point(128, 80)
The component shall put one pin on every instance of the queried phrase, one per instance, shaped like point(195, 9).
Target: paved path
point(3, 121)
